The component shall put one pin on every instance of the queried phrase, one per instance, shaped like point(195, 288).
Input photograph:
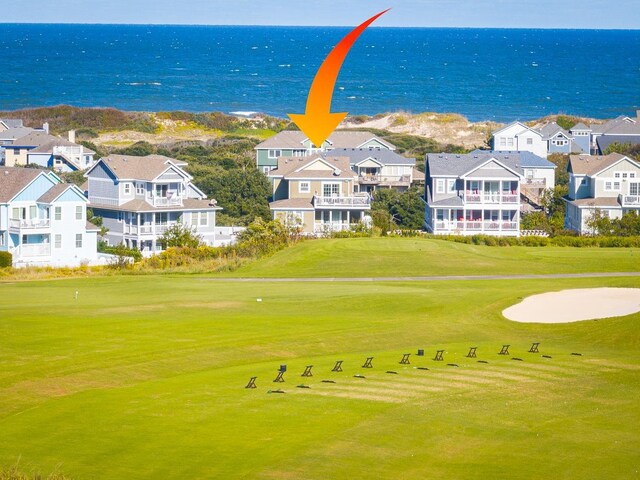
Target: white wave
point(244, 113)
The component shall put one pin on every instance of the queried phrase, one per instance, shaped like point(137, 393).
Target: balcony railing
point(362, 201)
point(630, 200)
point(492, 197)
point(34, 250)
point(476, 225)
point(369, 179)
point(167, 202)
point(145, 229)
point(27, 224)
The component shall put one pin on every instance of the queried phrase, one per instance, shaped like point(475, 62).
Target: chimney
point(45, 127)
point(72, 136)
point(638, 114)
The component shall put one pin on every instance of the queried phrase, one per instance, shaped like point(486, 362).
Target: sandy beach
point(575, 305)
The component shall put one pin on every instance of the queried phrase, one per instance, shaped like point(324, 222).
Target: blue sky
point(417, 13)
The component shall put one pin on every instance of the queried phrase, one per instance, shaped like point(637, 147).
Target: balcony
point(341, 202)
point(34, 223)
point(629, 200)
point(369, 179)
point(491, 197)
point(167, 201)
point(146, 229)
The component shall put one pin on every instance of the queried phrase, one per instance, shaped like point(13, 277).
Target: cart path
point(434, 278)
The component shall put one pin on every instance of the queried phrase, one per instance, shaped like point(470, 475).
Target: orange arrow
point(318, 122)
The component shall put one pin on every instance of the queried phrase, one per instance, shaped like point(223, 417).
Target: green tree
point(628, 149)
point(179, 235)
point(404, 209)
point(243, 194)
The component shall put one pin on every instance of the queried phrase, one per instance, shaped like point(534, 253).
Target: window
point(451, 185)
point(632, 175)
point(2, 238)
point(608, 186)
point(299, 153)
point(266, 170)
point(616, 175)
point(503, 142)
point(634, 189)
point(331, 189)
point(439, 186)
point(304, 187)
point(58, 213)
point(510, 142)
point(33, 211)
point(585, 182)
point(78, 240)
point(127, 188)
point(140, 189)
point(79, 212)
point(529, 141)
point(57, 240)
point(275, 153)
point(616, 186)
point(204, 219)
point(440, 214)
point(120, 217)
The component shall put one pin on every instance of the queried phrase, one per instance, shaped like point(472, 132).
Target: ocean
point(485, 74)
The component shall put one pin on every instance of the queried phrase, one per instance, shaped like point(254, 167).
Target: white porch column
point(153, 231)
point(348, 217)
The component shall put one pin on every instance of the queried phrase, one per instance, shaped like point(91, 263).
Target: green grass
point(143, 377)
point(382, 257)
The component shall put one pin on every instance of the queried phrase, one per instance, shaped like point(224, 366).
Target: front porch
point(473, 222)
point(327, 221)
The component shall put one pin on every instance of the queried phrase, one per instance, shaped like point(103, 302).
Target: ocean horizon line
point(378, 27)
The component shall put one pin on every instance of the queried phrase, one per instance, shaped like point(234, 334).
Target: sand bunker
point(575, 305)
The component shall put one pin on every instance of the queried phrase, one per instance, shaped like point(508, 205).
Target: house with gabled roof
point(381, 168)
point(623, 129)
point(292, 143)
point(318, 194)
point(139, 198)
point(481, 192)
point(48, 151)
point(609, 183)
point(43, 221)
point(518, 137)
point(560, 140)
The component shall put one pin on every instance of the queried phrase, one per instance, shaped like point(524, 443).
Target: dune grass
point(384, 257)
point(143, 377)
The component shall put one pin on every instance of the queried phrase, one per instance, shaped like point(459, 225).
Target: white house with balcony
point(610, 184)
point(43, 221)
point(480, 192)
point(317, 194)
point(139, 198)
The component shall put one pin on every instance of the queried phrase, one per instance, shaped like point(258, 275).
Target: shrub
point(6, 259)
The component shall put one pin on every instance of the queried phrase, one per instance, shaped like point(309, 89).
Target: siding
point(36, 189)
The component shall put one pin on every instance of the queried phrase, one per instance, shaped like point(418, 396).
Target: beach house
point(43, 221)
point(482, 192)
point(290, 143)
point(623, 130)
point(610, 184)
point(318, 194)
point(11, 130)
point(517, 137)
point(139, 198)
point(48, 151)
